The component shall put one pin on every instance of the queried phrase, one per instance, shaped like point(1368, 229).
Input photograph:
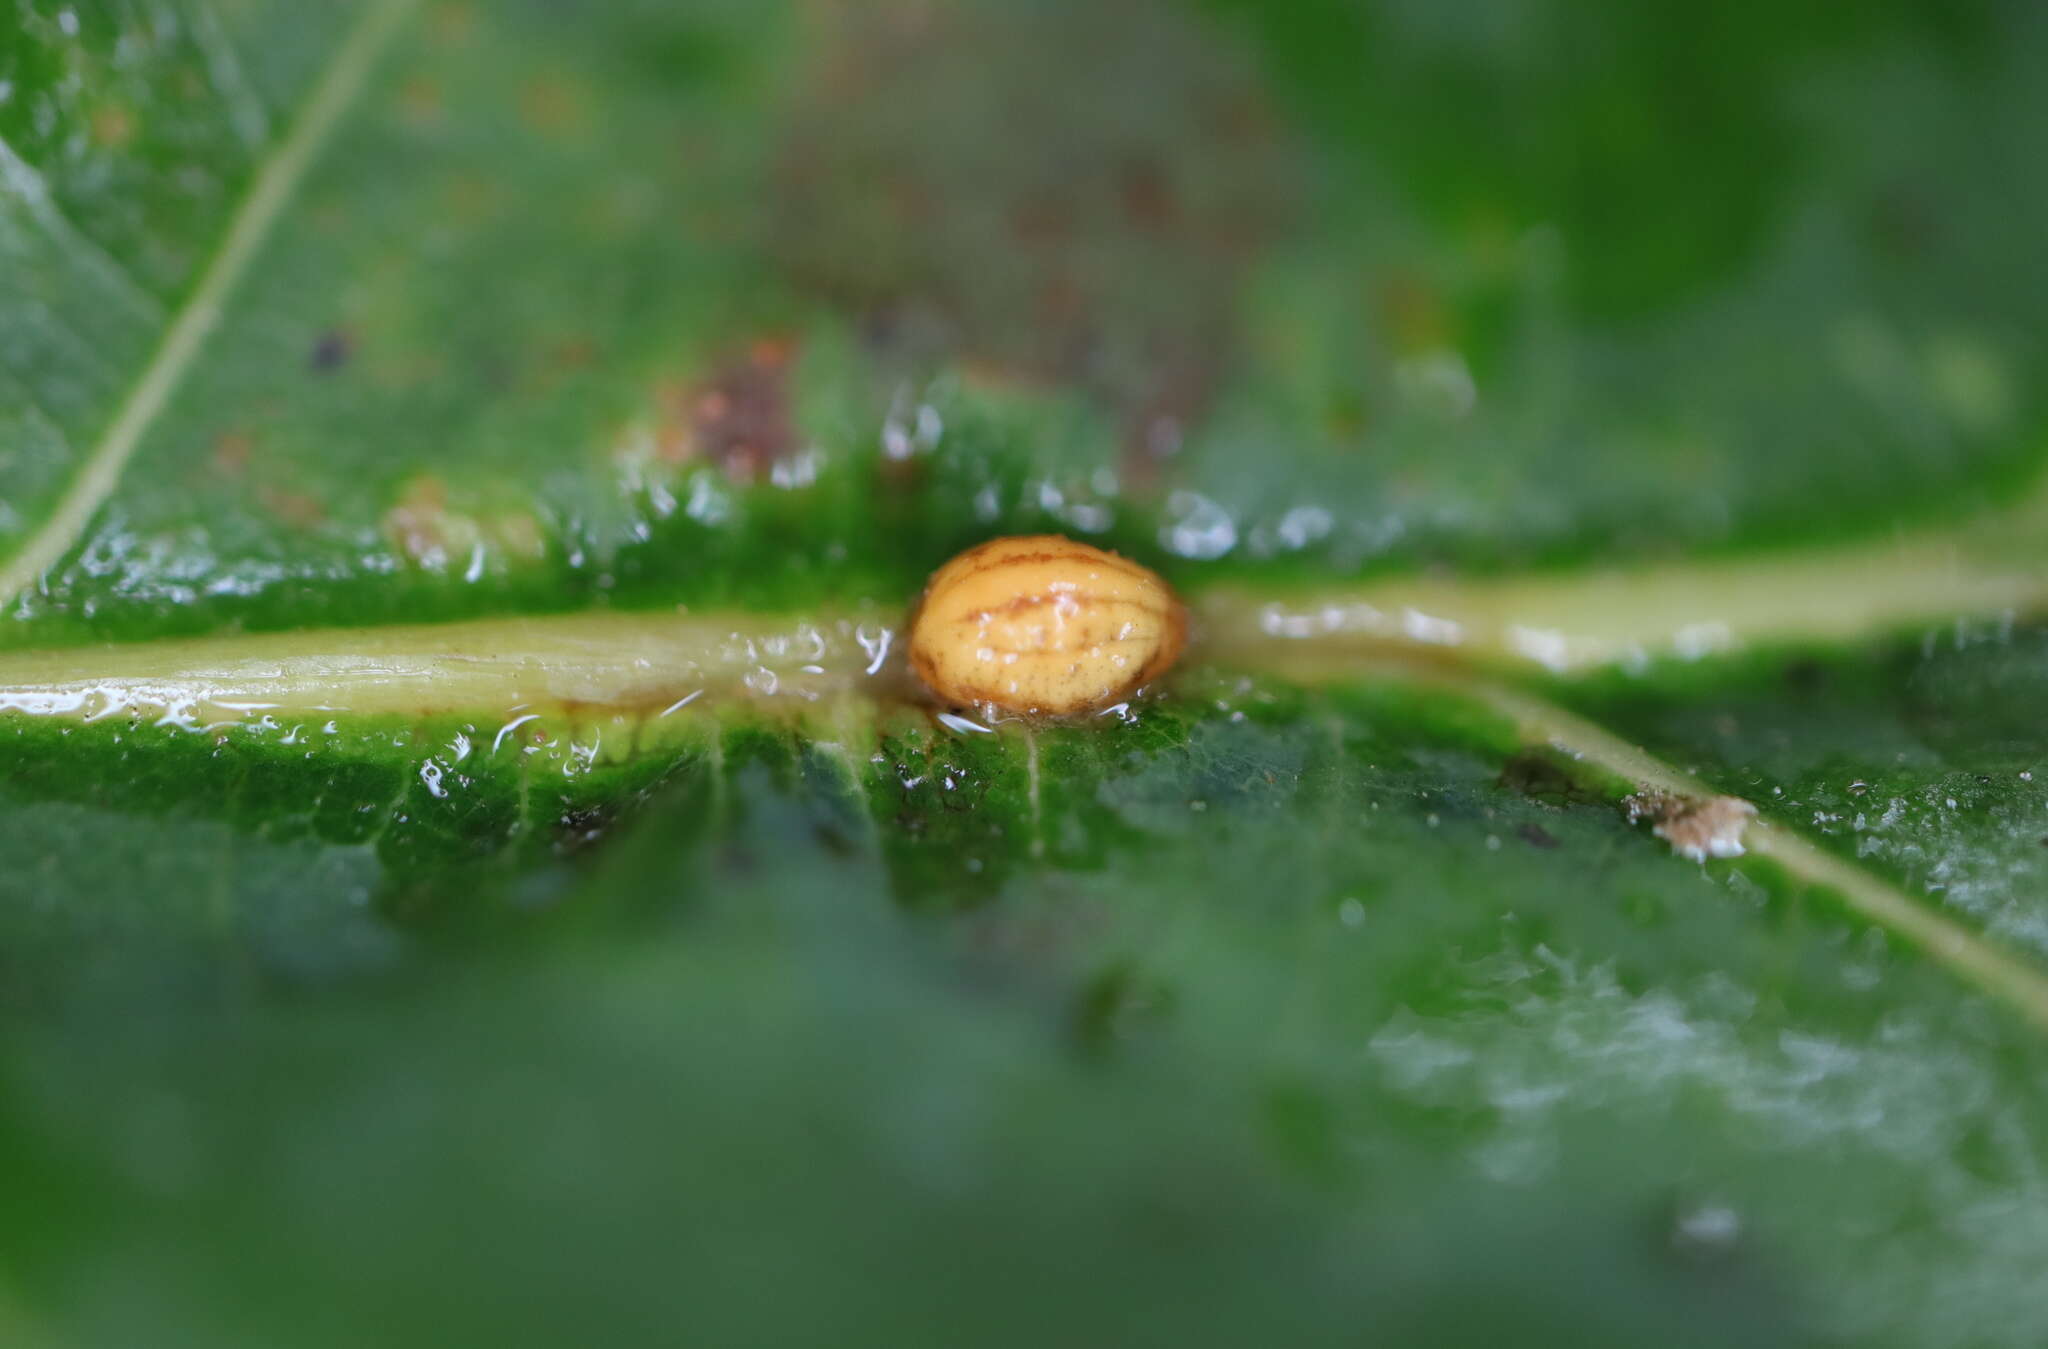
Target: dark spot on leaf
point(738, 859)
point(1537, 775)
point(1118, 1003)
point(330, 352)
point(835, 840)
point(1806, 676)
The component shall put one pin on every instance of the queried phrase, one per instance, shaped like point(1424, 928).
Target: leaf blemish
point(331, 351)
point(737, 418)
point(428, 532)
point(1696, 827)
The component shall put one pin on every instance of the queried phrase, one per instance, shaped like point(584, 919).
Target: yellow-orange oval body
point(1042, 625)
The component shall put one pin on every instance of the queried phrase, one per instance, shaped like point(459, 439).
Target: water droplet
point(907, 431)
point(1706, 1229)
point(953, 722)
point(1302, 526)
point(1197, 527)
point(1438, 381)
point(510, 727)
point(1421, 627)
point(874, 640)
point(799, 470)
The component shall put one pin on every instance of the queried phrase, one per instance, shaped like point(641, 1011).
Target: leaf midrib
point(651, 665)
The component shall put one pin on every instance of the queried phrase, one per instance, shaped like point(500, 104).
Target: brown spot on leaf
point(982, 175)
point(301, 510)
point(419, 525)
point(575, 353)
point(231, 451)
point(518, 534)
point(113, 126)
point(424, 529)
point(738, 418)
point(1149, 198)
point(1415, 316)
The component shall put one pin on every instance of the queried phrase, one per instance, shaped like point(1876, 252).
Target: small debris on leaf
point(330, 352)
point(1696, 827)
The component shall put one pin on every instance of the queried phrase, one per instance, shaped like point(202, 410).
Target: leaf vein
point(251, 224)
point(246, 112)
point(19, 179)
point(1977, 958)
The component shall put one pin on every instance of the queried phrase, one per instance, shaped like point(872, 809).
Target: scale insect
point(1039, 625)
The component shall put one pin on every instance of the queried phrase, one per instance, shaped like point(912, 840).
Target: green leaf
point(473, 866)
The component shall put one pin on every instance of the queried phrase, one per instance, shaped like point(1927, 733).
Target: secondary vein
point(252, 222)
point(1977, 958)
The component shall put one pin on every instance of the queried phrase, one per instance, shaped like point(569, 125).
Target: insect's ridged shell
point(1041, 625)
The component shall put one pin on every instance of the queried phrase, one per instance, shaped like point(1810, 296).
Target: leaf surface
point(474, 865)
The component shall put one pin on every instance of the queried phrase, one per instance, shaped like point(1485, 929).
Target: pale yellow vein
point(253, 220)
point(1980, 960)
